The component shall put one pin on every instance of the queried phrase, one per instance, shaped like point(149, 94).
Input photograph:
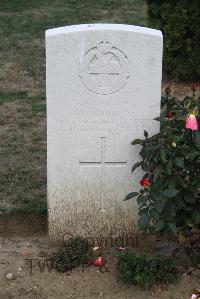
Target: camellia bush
point(169, 200)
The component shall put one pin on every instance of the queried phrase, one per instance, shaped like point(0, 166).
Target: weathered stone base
point(114, 223)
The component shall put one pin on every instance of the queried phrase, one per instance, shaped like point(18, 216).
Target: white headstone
point(103, 90)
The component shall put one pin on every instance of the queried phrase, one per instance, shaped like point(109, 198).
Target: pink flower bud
point(191, 122)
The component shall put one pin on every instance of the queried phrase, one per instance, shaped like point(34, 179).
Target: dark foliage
point(180, 23)
point(144, 270)
point(72, 253)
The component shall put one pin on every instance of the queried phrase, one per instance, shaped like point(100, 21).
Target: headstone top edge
point(100, 26)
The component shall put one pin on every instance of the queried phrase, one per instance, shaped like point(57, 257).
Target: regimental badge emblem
point(104, 69)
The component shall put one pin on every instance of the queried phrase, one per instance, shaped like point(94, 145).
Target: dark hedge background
point(180, 24)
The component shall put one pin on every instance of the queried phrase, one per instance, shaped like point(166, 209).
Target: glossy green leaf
point(150, 148)
point(180, 181)
point(159, 225)
point(196, 137)
point(143, 221)
point(171, 181)
point(167, 169)
point(136, 165)
point(143, 211)
point(144, 199)
point(139, 199)
point(160, 205)
point(154, 214)
point(157, 173)
point(179, 162)
point(173, 228)
point(163, 156)
point(171, 209)
point(131, 195)
point(170, 193)
point(184, 149)
point(136, 141)
point(193, 154)
point(196, 217)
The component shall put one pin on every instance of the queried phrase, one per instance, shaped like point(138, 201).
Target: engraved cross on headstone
point(102, 164)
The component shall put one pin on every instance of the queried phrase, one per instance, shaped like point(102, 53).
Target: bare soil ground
point(25, 238)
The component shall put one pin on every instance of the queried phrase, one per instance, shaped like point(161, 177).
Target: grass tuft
point(39, 107)
point(34, 207)
point(6, 96)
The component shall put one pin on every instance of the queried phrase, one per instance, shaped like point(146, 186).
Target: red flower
point(145, 182)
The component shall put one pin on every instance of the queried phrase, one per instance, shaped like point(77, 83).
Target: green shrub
point(170, 198)
point(180, 23)
point(144, 270)
point(72, 253)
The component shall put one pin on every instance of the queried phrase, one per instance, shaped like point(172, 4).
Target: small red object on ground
point(99, 262)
